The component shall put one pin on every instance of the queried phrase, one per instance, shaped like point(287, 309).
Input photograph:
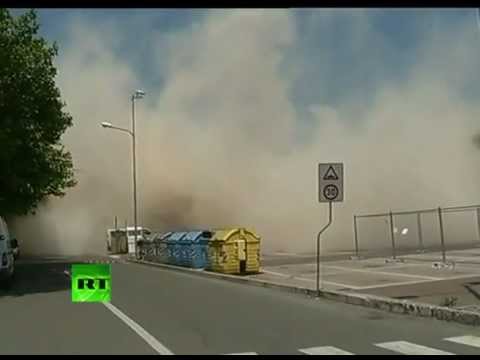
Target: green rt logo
point(91, 283)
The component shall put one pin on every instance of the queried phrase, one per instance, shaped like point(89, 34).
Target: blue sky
point(402, 31)
point(54, 25)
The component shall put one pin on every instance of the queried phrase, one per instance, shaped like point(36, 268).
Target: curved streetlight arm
point(122, 129)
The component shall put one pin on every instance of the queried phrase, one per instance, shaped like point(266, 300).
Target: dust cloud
point(220, 142)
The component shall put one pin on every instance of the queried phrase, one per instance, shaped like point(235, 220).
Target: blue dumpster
point(174, 253)
point(182, 250)
point(195, 249)
point(160, 245)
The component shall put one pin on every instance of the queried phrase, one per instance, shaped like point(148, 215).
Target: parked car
point(7, 259)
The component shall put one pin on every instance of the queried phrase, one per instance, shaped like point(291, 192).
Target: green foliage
point(33, 162)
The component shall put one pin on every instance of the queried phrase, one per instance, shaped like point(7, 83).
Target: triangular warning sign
point(330, 174)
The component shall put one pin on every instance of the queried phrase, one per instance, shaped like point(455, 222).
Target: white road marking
point(408, 348)
point(466, 340)
point(414, 282)
point(466, 276)
point(420, 277)
point(337, 284)
point(276, 273)
point(149, 339)
point(312, 280)
point(349, 286)
point(324, 350)
point(466, 267)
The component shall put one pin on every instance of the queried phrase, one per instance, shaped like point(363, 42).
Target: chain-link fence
point(394, 234)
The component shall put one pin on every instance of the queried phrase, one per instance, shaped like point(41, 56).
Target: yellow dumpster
point(234, 251)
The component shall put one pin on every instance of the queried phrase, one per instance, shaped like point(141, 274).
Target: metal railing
point(391, 234)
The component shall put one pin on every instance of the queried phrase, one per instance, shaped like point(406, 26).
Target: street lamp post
point(138, 94)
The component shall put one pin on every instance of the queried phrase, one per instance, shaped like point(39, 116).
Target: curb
point(371, 301)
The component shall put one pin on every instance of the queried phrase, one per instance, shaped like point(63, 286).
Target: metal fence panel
point(426, 230)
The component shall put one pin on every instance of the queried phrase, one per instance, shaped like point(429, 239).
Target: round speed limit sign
point(330, 192)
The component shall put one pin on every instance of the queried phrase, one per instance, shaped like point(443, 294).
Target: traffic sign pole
point(318, 245)
point(330, 189)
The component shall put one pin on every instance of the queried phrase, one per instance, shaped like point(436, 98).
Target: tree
point(33, 162)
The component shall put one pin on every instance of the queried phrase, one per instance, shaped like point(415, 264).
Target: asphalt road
point(159, 311)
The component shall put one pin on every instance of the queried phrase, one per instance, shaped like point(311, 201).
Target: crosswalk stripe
point(324, 350)
point(408, 348)
point(466, 340)
point(402, 347)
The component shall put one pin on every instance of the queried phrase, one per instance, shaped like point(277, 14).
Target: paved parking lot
point(420, 276)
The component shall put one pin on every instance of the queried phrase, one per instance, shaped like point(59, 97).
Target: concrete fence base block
point(371, 301)
point(394, 261)
point(438, 265)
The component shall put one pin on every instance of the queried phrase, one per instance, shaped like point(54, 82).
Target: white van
point(142, 234)
point(7, 261)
